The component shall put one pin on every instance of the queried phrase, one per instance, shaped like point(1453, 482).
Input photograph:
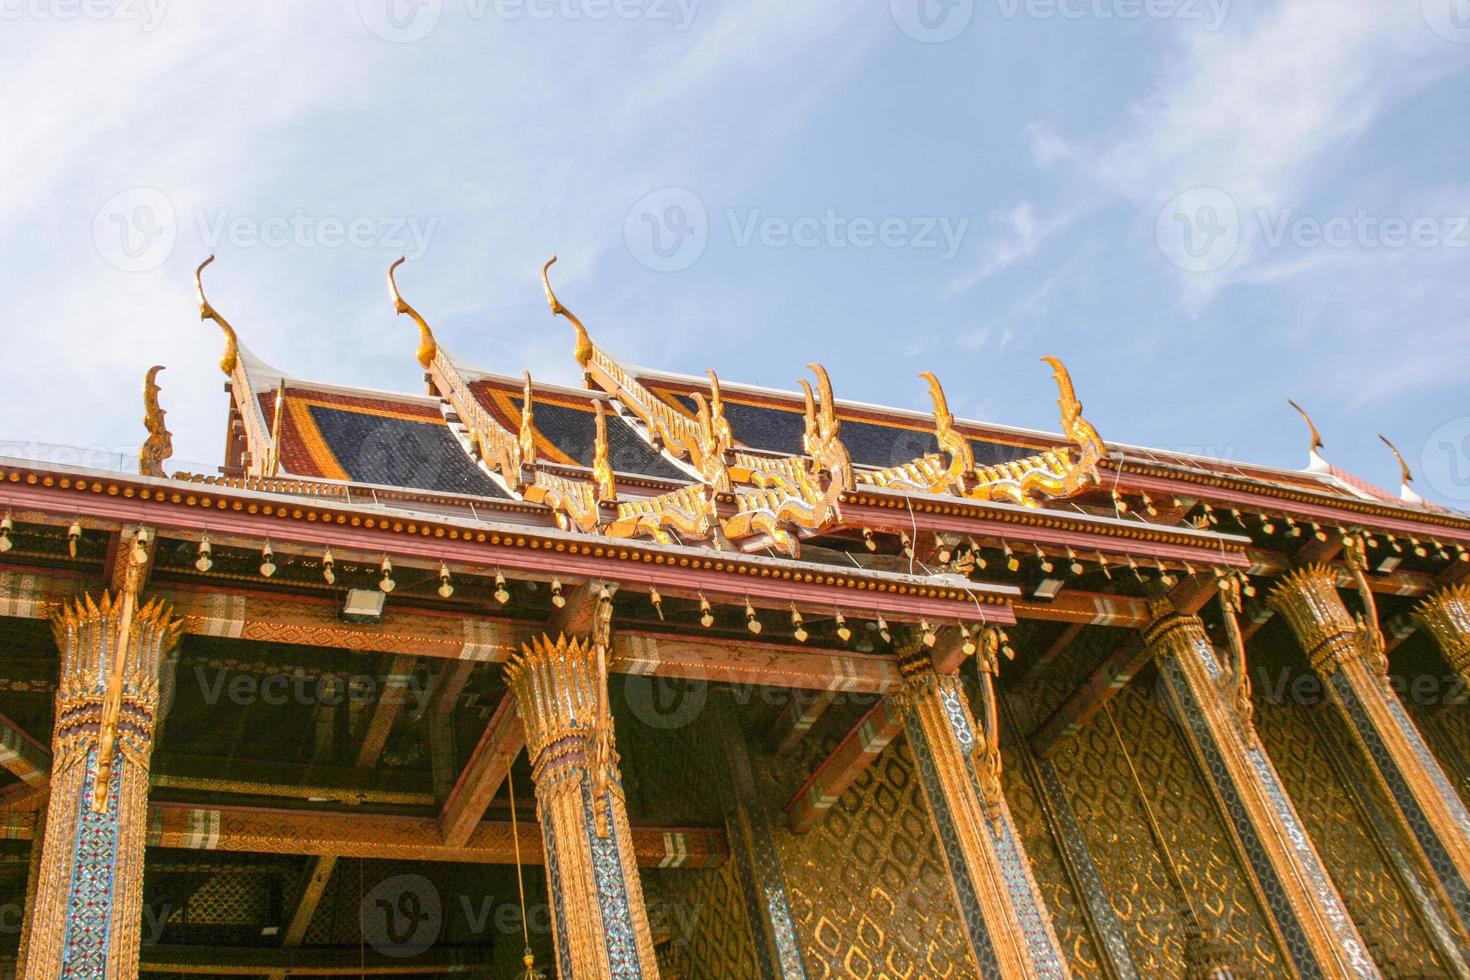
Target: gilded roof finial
point(208, 312)
point(159, 445)
point(584, 341)
point(809, 415)
point(427, 347)
point(723, 432)
point(528, 424)
point(1082, 433)
point(602, 471)
point(1316, 462)
point(1406, 475)
point(826, 406)
point(961, 454)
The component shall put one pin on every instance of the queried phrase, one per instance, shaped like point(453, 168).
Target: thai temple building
point(670, 676)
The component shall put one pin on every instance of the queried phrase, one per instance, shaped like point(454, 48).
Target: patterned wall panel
point(867, 885)
point(1368, 886)
point(699, 923)
point(1094, 773)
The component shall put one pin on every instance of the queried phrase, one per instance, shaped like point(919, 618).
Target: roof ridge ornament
point(1076, 428)
point(961, 454)
point(584, 347)
point(1316, 462)
point(159, 445)
point(1406, 476)
point(527, 431)
point(428, 347)
point(207, 312)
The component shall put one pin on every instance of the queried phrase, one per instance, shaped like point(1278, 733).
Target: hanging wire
point(528, 958)
point(1175, 878)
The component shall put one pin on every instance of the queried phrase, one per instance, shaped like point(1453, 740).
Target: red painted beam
point(857, 750)
point(483, 774)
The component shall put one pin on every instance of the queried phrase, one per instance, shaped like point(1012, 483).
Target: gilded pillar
point(1001, 909)
point(89, 892)
point(1348, 655)
point(599, 922)
point(1446, 614)
point(1212, 703)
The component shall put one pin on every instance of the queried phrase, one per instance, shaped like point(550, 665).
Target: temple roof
point(640, 453)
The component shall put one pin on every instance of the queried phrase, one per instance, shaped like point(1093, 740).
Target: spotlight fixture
point(658, 602)
point(843, 632)
point(329, 567)
point(267, 561)
point(446, 586)
point(386, 583)
point(204, 562)
point(1048, 589)
point(706, 615)
point(363, 606)
point(557, 599)
point(502, 594)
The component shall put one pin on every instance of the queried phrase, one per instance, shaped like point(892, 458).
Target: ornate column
point(1004, 917)
point(599, 923)
point(1348, 654)
point(89, 893)
point(1212, 704)
point(1446, 614)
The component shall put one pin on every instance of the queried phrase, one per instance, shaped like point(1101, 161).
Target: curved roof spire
point(208, 312)
point(160, 443)
point(427, 345)
point(1317, 463)
point(584, 341)
point(1406, 476)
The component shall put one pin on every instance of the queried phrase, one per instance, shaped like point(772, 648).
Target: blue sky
point(1203, 206)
